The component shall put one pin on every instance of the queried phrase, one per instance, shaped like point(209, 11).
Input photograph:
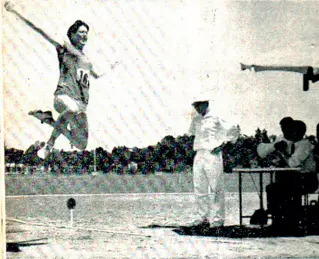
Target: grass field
point(113, 183)
point(113, 215)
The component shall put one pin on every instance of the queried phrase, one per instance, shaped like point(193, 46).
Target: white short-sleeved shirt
point(210, 131)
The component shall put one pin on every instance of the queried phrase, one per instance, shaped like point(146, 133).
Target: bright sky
point(169, 53)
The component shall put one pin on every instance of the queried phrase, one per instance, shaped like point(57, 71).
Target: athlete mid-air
point(72, 93)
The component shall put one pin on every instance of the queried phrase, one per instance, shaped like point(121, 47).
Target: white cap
point(202, 96)
point(202, 99)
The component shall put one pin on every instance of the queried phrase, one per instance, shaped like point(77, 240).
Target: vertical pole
point(271, 182)
point(306, 82)
point(240, 200)
point(71, 218)
point(271, 177)
point(261, 190)
point(180, 177)
point(261, 194)
point(94, 160)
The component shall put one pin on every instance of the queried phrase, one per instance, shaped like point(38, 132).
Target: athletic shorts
point(64, 103)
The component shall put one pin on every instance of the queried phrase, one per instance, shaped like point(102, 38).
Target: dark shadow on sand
point(160, 226)
point(15, 246)
point(247, 232)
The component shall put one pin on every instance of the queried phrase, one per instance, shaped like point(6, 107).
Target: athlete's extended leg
point(67, 108)
point(72, 113)
point(61, 126)
point(78, 132)
point(46, 117)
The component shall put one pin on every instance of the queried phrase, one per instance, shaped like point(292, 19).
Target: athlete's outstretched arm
point(96, 75)
point(9, 8)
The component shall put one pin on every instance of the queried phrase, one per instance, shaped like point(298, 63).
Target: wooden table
point(259, 171)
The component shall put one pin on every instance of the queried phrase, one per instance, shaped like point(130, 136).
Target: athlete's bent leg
point(61, 127)
point(79, 131)
point(72, 112)
point(68, 108)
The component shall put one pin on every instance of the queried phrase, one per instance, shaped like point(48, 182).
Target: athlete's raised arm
point(96, 75)
point(9, 8)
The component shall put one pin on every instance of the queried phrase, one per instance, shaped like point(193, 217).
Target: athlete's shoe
point(45, 151)
point(42, 116)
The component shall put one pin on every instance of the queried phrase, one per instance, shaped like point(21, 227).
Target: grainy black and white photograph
point(154, 129)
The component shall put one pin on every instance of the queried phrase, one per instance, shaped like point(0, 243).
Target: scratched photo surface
point(132, 180)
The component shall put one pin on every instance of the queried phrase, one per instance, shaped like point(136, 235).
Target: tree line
point(171, 154)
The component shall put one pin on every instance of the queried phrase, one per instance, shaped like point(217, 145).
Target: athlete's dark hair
point(75, 26)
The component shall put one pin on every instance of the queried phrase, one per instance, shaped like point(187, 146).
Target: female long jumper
point(72, 94)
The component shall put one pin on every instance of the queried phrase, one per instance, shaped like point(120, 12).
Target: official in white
point(211, 133)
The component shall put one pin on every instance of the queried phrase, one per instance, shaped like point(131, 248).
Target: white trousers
point(209, 186)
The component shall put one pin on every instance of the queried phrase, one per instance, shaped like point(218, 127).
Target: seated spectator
point(283, 143)
point(284, 195)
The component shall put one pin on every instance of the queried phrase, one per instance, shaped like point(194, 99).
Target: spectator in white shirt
point(284, 196)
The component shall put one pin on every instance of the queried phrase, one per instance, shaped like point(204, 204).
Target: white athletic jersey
point(210, 131)
point(75, 69)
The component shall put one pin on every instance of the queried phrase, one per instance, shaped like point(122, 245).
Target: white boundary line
point(77, 228)
point(215, 239)
point(101, 194)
